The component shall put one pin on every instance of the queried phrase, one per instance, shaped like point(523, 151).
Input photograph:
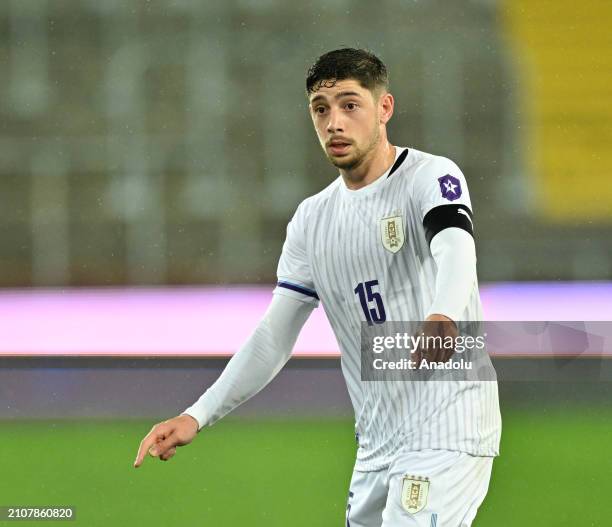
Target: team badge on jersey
point(392, 231)
point(414, 493)
point(450, 187)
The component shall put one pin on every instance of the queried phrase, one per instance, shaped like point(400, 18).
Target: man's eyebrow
point(338, 95)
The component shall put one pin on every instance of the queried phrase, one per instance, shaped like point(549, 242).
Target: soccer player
point(390, 239)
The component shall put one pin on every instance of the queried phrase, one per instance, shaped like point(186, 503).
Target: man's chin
point(344, 162)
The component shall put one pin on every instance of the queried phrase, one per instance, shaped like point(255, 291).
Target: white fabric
point(454, 252)
point(256, 363)
point(335, 249)
point(458, 484)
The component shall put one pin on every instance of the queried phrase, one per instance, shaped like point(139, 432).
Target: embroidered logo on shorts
point(392, 231)
point(414, 493)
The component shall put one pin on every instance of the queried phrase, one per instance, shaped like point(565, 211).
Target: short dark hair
point(347, 63)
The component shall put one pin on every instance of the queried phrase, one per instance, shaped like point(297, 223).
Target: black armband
point(444, 216)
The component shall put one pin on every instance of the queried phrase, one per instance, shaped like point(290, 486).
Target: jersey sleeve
point(293, 272)
point(442, 196)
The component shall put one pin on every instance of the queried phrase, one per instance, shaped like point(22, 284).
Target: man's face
point(347, 119)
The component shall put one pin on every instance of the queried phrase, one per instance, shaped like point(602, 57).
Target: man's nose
point(334, 124)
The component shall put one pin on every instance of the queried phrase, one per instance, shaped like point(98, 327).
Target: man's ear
point(385, 106)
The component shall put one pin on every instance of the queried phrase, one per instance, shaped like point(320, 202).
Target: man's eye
point(350, 106)
point(320, 109)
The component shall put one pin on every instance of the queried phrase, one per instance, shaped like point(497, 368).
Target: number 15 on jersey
point(371, 302)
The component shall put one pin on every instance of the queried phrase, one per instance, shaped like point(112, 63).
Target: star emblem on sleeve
point(450, 187)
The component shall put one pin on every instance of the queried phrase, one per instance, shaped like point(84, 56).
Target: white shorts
point(429, 488)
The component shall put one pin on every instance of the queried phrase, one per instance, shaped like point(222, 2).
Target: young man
point(390, 239)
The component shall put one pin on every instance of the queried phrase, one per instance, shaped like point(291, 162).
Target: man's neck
point(371, 169)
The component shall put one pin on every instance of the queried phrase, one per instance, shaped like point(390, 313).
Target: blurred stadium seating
point(564, 58)
point(169, 143)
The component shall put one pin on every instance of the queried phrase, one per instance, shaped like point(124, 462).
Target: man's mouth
point(338, 147)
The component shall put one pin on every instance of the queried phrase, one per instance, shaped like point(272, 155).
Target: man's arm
point(454, 252)
point(250, 369)
point(441, 192)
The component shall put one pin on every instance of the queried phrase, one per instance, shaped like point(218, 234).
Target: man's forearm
point(455, 255)
point(256, 363)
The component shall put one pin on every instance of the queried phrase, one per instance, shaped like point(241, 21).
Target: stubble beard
point(359, 154)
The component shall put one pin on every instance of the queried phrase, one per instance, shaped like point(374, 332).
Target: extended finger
point(155, 435)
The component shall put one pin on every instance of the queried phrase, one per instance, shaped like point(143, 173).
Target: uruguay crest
point(414, 493)
point(392, 231)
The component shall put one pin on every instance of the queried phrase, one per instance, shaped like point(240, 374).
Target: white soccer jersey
point(344, 248)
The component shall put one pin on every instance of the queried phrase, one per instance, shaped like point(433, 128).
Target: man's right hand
point(164, 437)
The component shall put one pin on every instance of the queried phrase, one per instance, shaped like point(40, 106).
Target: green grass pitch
point(555, 470)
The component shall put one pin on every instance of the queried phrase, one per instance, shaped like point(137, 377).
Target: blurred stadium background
point(151, 155)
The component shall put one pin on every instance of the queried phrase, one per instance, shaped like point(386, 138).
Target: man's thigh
point(436, 489)
point(367, 498)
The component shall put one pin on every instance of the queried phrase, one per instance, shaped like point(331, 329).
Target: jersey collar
point(400, 156)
